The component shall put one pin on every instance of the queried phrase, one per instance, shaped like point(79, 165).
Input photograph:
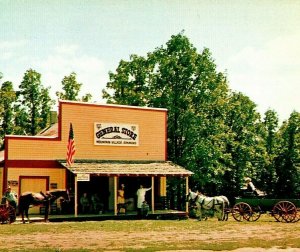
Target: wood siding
point(55, 175)
point(152, 131)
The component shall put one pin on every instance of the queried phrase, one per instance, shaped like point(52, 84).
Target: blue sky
point(256, 42)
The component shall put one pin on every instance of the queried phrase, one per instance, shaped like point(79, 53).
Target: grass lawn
point(149, 235)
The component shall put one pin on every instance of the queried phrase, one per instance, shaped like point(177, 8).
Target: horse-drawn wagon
point(7, 212)
point(250, 207)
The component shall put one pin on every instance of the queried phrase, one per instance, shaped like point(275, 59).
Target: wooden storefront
point(113, 143)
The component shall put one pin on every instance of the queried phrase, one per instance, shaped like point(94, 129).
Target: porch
point(130, 215)
point(105, 176)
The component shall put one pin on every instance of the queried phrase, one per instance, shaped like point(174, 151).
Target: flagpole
point(70, 160)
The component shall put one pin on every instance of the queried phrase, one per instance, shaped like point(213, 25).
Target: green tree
point(185, 82)
point(21, 120)
point(32, 100)
point(130, 83)
point(71, 89)
point(216, 133)
point(7, 99)
point(270, 135)
point(46, 104)
point(288, 160)
point(244, 144)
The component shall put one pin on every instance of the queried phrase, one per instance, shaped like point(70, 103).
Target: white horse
point(203, 204)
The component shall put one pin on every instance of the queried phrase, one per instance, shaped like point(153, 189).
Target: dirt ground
point(98, 240)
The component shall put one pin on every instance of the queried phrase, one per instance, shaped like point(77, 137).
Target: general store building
point(114, 144)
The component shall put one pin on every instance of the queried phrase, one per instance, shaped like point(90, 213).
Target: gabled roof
point(50, 131)
point(127, 168)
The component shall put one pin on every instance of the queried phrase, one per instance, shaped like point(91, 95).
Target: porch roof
point(127, 168)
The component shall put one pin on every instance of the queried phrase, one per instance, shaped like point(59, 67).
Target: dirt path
point(99, 240)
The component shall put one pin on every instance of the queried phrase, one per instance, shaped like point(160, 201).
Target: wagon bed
point(251, 208)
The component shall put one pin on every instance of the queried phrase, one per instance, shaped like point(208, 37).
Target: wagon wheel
point(255, 214)
point(7, 214)
point(241, 211)
point(3, 214)
point(284, 211)
point(11, 214)
point(297, 218)
point(227, 211)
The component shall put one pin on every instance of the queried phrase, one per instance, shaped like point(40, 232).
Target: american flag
point(71, 147)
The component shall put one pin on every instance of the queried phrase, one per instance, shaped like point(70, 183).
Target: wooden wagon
point(250, 208)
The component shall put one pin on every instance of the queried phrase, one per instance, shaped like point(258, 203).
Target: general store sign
point(116, 134)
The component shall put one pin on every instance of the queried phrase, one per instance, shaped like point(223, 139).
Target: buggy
point(250, 206)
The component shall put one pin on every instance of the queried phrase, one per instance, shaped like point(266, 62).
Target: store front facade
point(114, 145)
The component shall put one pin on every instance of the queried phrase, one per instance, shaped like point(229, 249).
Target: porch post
point(76, 197)
point(115, 195)
point(186, 193)
point(152, 194)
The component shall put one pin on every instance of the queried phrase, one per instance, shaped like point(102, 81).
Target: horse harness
point(214, 201)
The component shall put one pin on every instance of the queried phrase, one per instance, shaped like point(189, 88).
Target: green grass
point(149, 235)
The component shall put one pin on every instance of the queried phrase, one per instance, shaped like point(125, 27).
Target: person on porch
point(85, 203)
point(121, 200)
point(141, 193)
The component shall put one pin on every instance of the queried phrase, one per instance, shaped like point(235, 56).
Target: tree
point(46, 104)
point(21, 120)
point(33, 101)
point(71, 89)
point(216, 133)
point(288, 160)
point(244, 144)
point(268, 174)
point(130, 83)
point(7, 99)
point(185, 82)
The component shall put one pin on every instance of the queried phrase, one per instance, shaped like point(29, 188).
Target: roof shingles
point(128, 168)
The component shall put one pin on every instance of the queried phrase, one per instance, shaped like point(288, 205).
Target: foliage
point(27, 110)
point(34, 103)
point(71, 89)
point(216, 133)
point(288, 160)
point(46, 104)
point(7, 98)
point(271, 139)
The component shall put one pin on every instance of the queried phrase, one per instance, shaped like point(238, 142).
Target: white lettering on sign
point(116, 134)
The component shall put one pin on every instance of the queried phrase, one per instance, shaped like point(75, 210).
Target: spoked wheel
point(7, 214)
point(3, 215)
point(241, 211)
point(11, 212)
point(284, 211)
point(227, 211)
point(297, 215)
point(255, 214)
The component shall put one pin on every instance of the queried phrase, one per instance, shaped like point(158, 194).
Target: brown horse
point(40, 199)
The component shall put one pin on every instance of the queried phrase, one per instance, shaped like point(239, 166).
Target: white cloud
point(269, 75)
point(90, 70)
point(67, 49)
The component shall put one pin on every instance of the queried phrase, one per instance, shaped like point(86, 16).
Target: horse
point(203, 204)
point(28, 199)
